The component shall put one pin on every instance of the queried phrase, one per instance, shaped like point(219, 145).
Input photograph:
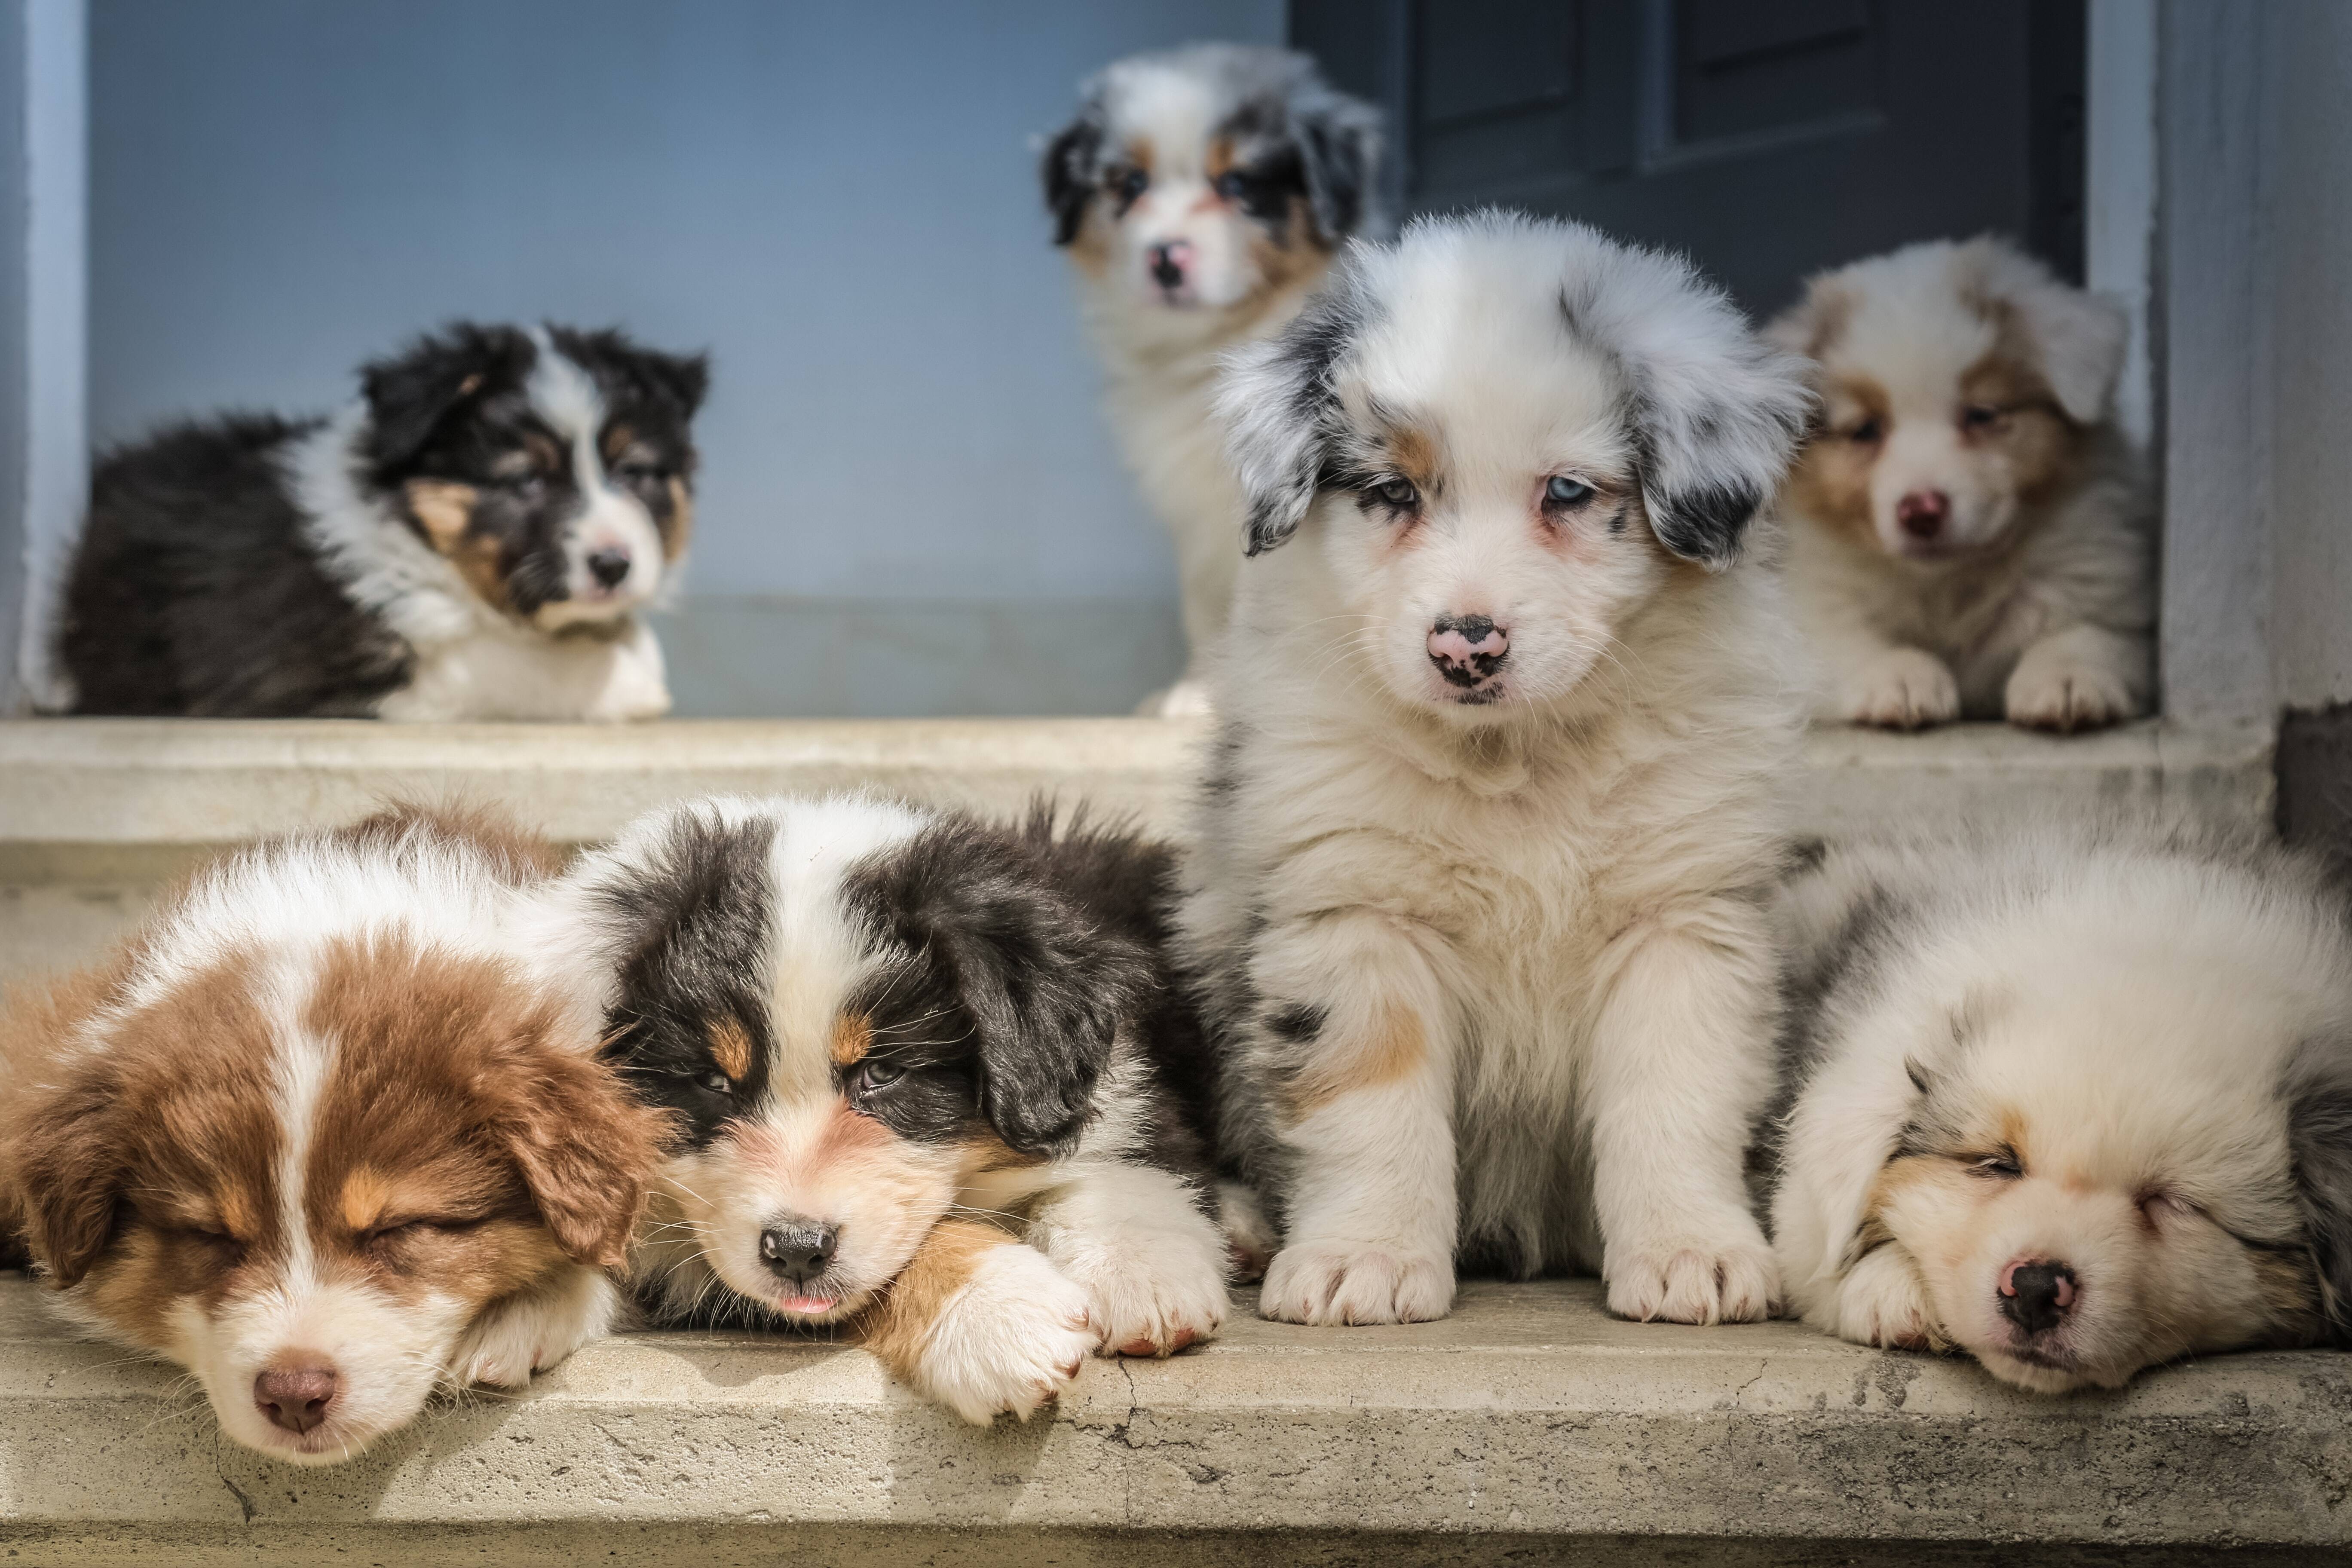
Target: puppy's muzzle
point(797, 1250)
point(296, 1394)
point(1467, 649)
point(2036, 1294)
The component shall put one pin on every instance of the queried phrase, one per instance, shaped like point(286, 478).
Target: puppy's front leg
point(1681, 1063)
point(536, 1328)
point(1353, 1049)
point(980, 1323)
point(2083, 677)
point(1151, 1262)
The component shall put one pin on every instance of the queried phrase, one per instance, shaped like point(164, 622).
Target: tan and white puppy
point(1968, 534)
point(931, 1079)
point(2074, 1101)
point(1476, 896)
point(315, 1136)
point(1200, 194)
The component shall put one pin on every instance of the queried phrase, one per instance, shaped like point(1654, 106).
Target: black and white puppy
point(472, 539)
point(2076, 1100)
point(1200, 194)
point(933, 1079)
point(1505, 702)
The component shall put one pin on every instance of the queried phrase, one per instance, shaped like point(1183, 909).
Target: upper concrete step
point(1528, 1418)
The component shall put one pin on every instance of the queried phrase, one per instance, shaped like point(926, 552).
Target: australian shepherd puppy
point(1200, 194)
point(2073, 1103)
point(933, 1083)
point(312, 1134)
point(473, 539)
point(1967, 535)
point(1476, 898)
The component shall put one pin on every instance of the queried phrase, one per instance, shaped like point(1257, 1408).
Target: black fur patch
point(697, 922)
point(2320, 1131)
point(1299, 1023)
point(1705, 524)
point(1311, 349)
point(1070, 173)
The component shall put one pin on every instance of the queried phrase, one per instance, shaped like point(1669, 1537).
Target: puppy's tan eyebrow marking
point(365, 1193)
point(731, 1048)
point(853, 1037)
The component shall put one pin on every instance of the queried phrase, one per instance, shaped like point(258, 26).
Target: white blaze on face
point(613, 528)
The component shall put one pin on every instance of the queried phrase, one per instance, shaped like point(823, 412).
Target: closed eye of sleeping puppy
point(933, 1081)
point(2074, 1101)
point(1968, 534)
point(1475, 901)
point(313, 1134)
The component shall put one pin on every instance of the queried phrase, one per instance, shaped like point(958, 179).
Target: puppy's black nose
point(608, 566)
point(798, 1249)
point(1466, 649)
point(2036, 1296)
point(1168, 263)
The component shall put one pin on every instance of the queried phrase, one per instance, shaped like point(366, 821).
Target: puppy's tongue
point(809, 1304)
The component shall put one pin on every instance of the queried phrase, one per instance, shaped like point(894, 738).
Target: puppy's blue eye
point(1398, 493)
point(1232, 184)
point(1128, 184)
point(1561, 490)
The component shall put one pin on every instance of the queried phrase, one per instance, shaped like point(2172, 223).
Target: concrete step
point(1529, 1426)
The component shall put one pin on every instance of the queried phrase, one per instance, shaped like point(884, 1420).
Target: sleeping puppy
point(473, 539)
point(1967, 535)
point(1476, 892)
point(932, 1080)
point(1200, 194)
point(312, 1134)
point(2073, 1103)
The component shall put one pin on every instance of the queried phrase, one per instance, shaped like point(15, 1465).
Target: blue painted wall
point(838, 200)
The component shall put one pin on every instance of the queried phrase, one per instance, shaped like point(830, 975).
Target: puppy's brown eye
point(1127, 183)
point(1978, 416)
point(872, 1074)
point(1233, 184)
point(1398, 493)
point(715, 1081)
point(2003, 1165)
point(1865, 434)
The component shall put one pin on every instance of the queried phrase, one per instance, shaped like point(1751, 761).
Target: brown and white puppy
point(1967, 538)
point(1201, 194)
point(932, 1078)
point(2074, 1101)
point(313, 1135)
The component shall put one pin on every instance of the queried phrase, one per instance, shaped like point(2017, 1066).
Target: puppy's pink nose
point(2036, 1293)
point(1466, 649)
point(294, 1394)
point(1923, 513)
point(1169, 263)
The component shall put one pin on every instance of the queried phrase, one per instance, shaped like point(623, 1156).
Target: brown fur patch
point(2041, 447)
point(517, 855)
point(677, 528)
point(615, 442)
point(1395, 1048)
point(731, 1048)
point(1292, 256)
point(853, 1037)
point(898, 1322)
point(444, 511)
point(1831, 480)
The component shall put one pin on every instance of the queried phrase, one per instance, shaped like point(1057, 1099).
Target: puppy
point(933, 1082)
point(2074, 1102)
point(472, 540)
point(1969, 538)
point(314, 1135)
point(1477, 893)
point(1200, 194)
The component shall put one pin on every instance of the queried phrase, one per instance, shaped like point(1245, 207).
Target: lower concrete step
point(1529, 1426)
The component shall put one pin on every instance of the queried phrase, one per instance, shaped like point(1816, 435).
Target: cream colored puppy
point(1968, 537)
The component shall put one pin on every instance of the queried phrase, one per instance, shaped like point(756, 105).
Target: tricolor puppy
point(1200, 194)
point(2073, 1103)
point(311, 1134)
point(1477, 896)
point(1966, 536)
point(473, 539)
point(932, 1078)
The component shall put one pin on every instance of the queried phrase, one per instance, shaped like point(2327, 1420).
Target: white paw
point(1881, 1302)
point(1250, 1241)
point(1185, 699)
point(1352, 1282)
point(1902, 688)
point(529, 1333)
point(1156, 1301)
point(2065, 695)
point(1693, 1280)
point(1009, 1341)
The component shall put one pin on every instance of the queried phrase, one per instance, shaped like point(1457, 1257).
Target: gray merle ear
point(1338, 141)
point(1715, 412)
point(2319, 1134)
point(1072, 171)
point(1281, 409)
point(1045, 989)
point(410, 393)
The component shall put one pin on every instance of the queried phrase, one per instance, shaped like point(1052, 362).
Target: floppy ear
point(410, 393)
point(1809, 326)
point(684, 379)
point(1281, 411)
point(586, 1148)
point(67, 1170)
point(1715, 411)
point(2077, 338)
point(2319, 1134)
point(1070, 171)
point(1338, 141)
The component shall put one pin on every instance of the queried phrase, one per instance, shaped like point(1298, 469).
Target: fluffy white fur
point(2092, 1049)
point(1493, 962)
point(1967, 371)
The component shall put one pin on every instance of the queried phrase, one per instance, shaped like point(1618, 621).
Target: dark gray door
point(1766, 139)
